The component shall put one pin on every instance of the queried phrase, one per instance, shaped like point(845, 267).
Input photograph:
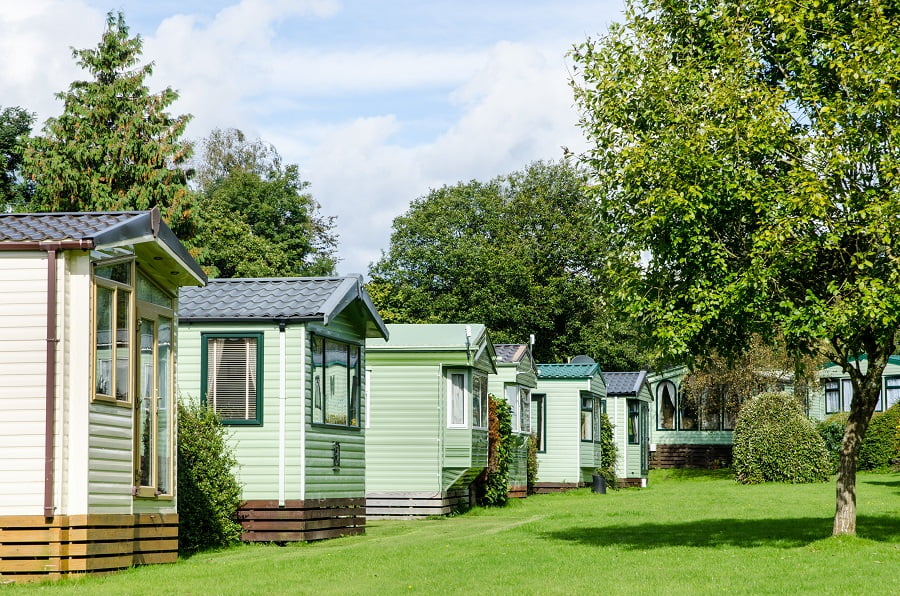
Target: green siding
point(522, 374)
point(561, 460)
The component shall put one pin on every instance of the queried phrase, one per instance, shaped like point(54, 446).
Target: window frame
point(539, 422)
point(587, 404)
point(883, 404)
point(674, 394)
point(354, 392)
point(511, 394)
point(131, 350)
point(259, 336)
point(480, 396)
point(633, 421)
point(449, 374)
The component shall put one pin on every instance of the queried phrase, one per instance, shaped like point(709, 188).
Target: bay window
point(336, 382)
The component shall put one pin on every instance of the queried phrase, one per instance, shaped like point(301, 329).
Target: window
point(665, 419)
point(512, 398)
point(232, 365)
point(710, 412)
point(846, 394)
point(832, 396)
point(336, 380)
point(687, 412)
point(634, 413)
point(524, 409)
point(479, 401)
point(538, 420)
point(891, 392)
point(112, 330)
point(456, 399)
point(587, 419)
point(153, 381)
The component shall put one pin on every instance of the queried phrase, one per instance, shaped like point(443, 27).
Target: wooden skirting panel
point(301, 521)
point(518, 492)
point(414, 505)
point(35, 548)
point(630, 482)
point(691, 456)
point(541, 488)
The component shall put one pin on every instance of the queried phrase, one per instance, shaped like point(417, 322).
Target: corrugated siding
point(22, 358)
point(404, 434)
point(110, 468)
point(560, 462)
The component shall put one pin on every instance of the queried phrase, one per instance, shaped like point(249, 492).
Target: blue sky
point(377, 101)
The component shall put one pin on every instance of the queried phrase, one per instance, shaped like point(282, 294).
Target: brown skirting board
point(34, 548)
point(414, 505)
point(691, 456)
point(541, 488)
point(301, 521)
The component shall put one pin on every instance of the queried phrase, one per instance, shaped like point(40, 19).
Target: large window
point(519, 401)
point(479, 401)
point(679, 410)
point(457, 416)
point(539, 420)
point(113, 285)
point(832, 396)
point(153, 382)
point(524, 409)
point(336, 382)
point(634, 429)
point(232, 376)
point(511, 392)
point(589, 419)
point(891, 393)
point(665, 400)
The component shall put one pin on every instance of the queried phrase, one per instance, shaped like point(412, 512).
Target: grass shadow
point(741, 533)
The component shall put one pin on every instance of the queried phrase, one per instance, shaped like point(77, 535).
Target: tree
point(747, 150)
point(255, 218)
point(15, 126)
point(114, 147)
point(517, 253)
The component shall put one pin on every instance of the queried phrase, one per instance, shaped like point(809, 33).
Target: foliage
point(256, 218)
point(775, 442)
point(492, 486)
point(518, 253)
point(532, 462)
point(832, 432)
point(208, 492)
point(608, 451)
point(114, 147)
point(15, 126)
point(880, 449)
point(748, 174)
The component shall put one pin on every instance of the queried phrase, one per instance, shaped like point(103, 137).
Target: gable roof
point(624, 383)
point(439, 337)
point(98, 230)
point(567, 371)
point(287, 299)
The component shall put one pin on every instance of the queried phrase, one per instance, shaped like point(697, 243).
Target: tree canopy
point(518, 253)
point(114, 147)
point(15, 126)
point(255, 218)
point(746, 157)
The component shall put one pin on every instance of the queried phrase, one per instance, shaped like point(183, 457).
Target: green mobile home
point(87, 442)
point(426, 435)
point(565, 417)
point(837, 390)
point(628, 402)
point(515, 379)
point(282, 362)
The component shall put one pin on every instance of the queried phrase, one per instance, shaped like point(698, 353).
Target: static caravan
point(515, 379)
point(87, 316)
point(282, 362)
point(837, 391)
point(628, 402)
point(427, 437)
point(565, 416)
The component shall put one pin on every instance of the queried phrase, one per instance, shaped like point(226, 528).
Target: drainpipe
point(303, 410)
point(50, 376)
point(282, 410)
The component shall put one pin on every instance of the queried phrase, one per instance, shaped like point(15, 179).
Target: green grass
point(687, 533)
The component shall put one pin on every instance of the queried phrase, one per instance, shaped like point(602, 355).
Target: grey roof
point(567, 371)
point(94, 230)
point(288, 299)
point(509, 353)
point(624, 383)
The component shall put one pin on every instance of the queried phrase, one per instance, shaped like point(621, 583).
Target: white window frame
point(511, 393)
point(467, 393)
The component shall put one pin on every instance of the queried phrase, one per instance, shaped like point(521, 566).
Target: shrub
point(832, 432)
point(532, 469)
point(774, 441)
point(880, 448)
point(208, 492)
point(608, 451)
point(492, 486)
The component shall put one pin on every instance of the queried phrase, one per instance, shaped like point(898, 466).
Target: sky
point(377, 102)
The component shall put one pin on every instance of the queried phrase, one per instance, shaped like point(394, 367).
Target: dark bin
point(599, 484)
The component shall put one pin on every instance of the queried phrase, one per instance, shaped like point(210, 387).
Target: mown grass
point(687, 533)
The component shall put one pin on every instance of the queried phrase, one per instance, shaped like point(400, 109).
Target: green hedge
point(880, 449)
point(608, 451)
point(775, 442)
point(492, 486)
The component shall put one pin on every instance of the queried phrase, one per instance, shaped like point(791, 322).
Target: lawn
point(686, 533)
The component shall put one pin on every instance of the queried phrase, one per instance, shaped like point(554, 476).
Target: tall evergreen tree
point(114, 147)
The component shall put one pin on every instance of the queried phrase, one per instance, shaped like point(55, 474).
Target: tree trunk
point(866, 388)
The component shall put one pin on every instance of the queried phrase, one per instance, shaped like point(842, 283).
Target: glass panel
point(123, 343)
point(687, 419)
point(318, 359)
point(832, 396)
point(457, 399)
point(709, 413)
point(145, 412)
point(537, 420)
point(634, 411)
point(587, 423)
point(337, 396)
point(512, 398)
point(148, 292)
point(846, 394)
point(476, 402)
point(666, 418)
point(354, 385)
point(163, 405)
point(103, 331)
point(120, 272)
point(892, 391)
point(231, 377)
point(524, 408)
point(484, 402)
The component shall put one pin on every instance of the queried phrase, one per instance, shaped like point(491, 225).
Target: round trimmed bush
point(832, 432)
point(775, 442)
point(880, 447)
